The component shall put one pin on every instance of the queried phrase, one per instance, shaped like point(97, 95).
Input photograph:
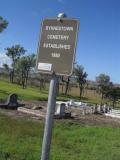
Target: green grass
point(21, 139)
point(26, 94)
point(32, 93)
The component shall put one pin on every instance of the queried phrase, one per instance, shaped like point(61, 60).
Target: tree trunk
point(81, 90)
point(67, 85)
point(62, 86)
point(26, 81)
point(23, 80)
point(114, 101)
point(42, 85)
point(57, 88)
point(11, 76)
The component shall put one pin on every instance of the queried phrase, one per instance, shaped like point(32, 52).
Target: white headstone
point(61, 109)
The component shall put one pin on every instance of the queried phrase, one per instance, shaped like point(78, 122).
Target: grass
point(21, 139)
point(29, 93)
point(32, 93)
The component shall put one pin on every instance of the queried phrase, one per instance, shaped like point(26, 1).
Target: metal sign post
point(56, 54)
point(49, 118)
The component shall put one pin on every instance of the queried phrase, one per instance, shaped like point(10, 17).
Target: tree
point(113, 94)
point(40, 77)
point(81, 76)
point(24, 66)
point(29, 63)
point(66, 80)
point(5, 71)
point(3, 24)
point(14, 52)
point(6, 67)
point(104, 84)
point(103, 79)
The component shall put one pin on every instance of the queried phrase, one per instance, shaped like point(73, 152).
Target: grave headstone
point(12, 101)
point(61, 109)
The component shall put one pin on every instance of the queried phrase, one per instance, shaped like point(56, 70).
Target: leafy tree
point(103, 79)
point(104, 84)
point(81, 76)
point(23, 68)
point(3, 24)
point(113, 94)
point(6, 67)
point(14, 52)
point(5, 71)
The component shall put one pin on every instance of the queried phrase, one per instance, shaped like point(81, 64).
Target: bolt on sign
point(57, 45)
